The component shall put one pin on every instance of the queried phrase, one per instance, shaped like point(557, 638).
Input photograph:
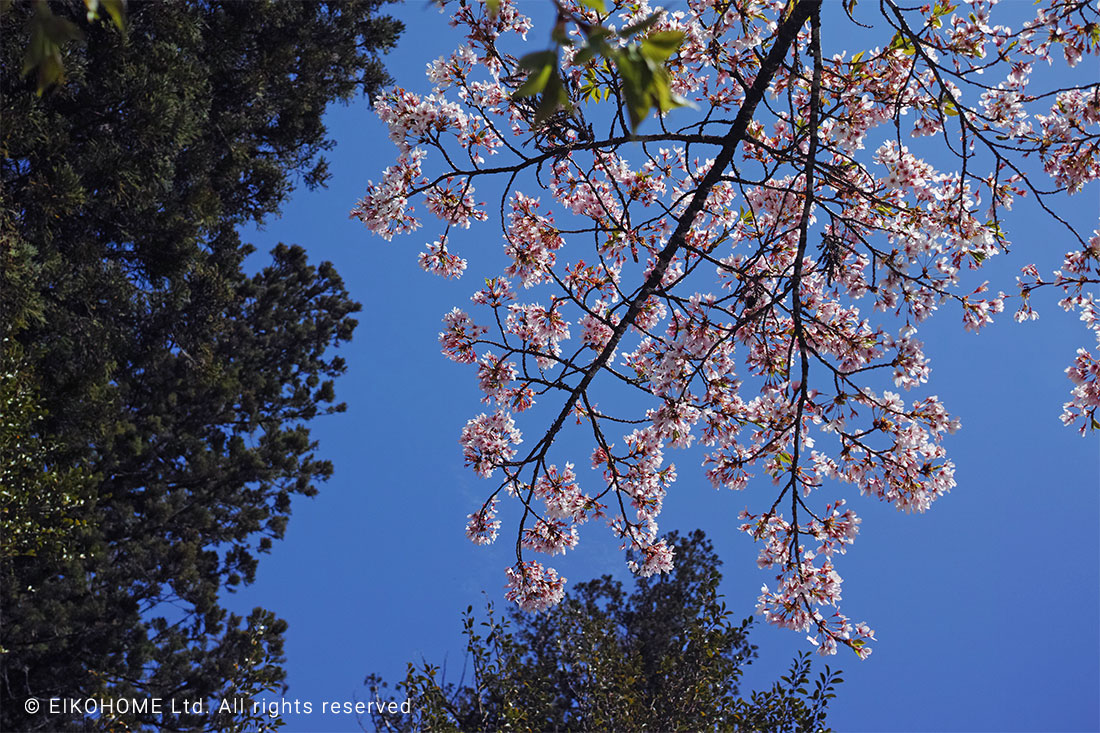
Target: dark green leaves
point(665, 654)
point(645, 80)
point(543, 78)
point(640, 65)
point(660, 46)
point(541, 66)
point(49, 33)
point(170, 391)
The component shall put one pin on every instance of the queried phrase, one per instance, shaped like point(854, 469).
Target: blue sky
point(987, 608)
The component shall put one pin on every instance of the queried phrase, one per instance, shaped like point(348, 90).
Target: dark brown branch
point(784, 39)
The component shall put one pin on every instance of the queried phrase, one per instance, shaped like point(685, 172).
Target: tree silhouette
point(665, 656)
point(145, 363)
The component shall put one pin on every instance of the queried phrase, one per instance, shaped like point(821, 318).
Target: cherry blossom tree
point(741, 219)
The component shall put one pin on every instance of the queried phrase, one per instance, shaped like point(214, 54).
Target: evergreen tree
point(667, 656)
point(153, 382)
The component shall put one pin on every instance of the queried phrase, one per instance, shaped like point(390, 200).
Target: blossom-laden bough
point(721, 260)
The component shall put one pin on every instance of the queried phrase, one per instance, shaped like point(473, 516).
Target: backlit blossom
point(534, 588)
point(436, 259)
point(749, 292)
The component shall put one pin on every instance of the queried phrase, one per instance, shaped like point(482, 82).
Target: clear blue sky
point(987, 608)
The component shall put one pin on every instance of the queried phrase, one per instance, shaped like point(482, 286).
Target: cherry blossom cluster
point(751, 274)
point(532, 241)
point(1080, 271)
point(436, 259)
point(487, 441)
point(483, 526)
point(459, 336)
point(385, 208)
point(533, 587)
point(657, 557)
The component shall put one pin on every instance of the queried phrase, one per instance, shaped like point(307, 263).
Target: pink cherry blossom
point(487, 442)
point(743, 280)
point(483, 525)
point(534, 588)
point(436, 259)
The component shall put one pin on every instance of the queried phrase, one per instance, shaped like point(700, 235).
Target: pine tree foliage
point(152, 380)
point(666, 656)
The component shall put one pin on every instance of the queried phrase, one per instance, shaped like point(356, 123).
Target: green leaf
point(902, 44)
point(493, 6)
point(583, 56)
point(636, 74)
point(536, 81)
point(554, 97)
point(116, 9)
point(661, 94)
point(49, 33)
point(660, 46)
point(591, 92)
point(942, 8)
point(597, 37)
point(538, 59)
point(559, 35)
point(596, 5)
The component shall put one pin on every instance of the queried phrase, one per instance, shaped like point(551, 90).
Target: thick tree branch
point(784, 39)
